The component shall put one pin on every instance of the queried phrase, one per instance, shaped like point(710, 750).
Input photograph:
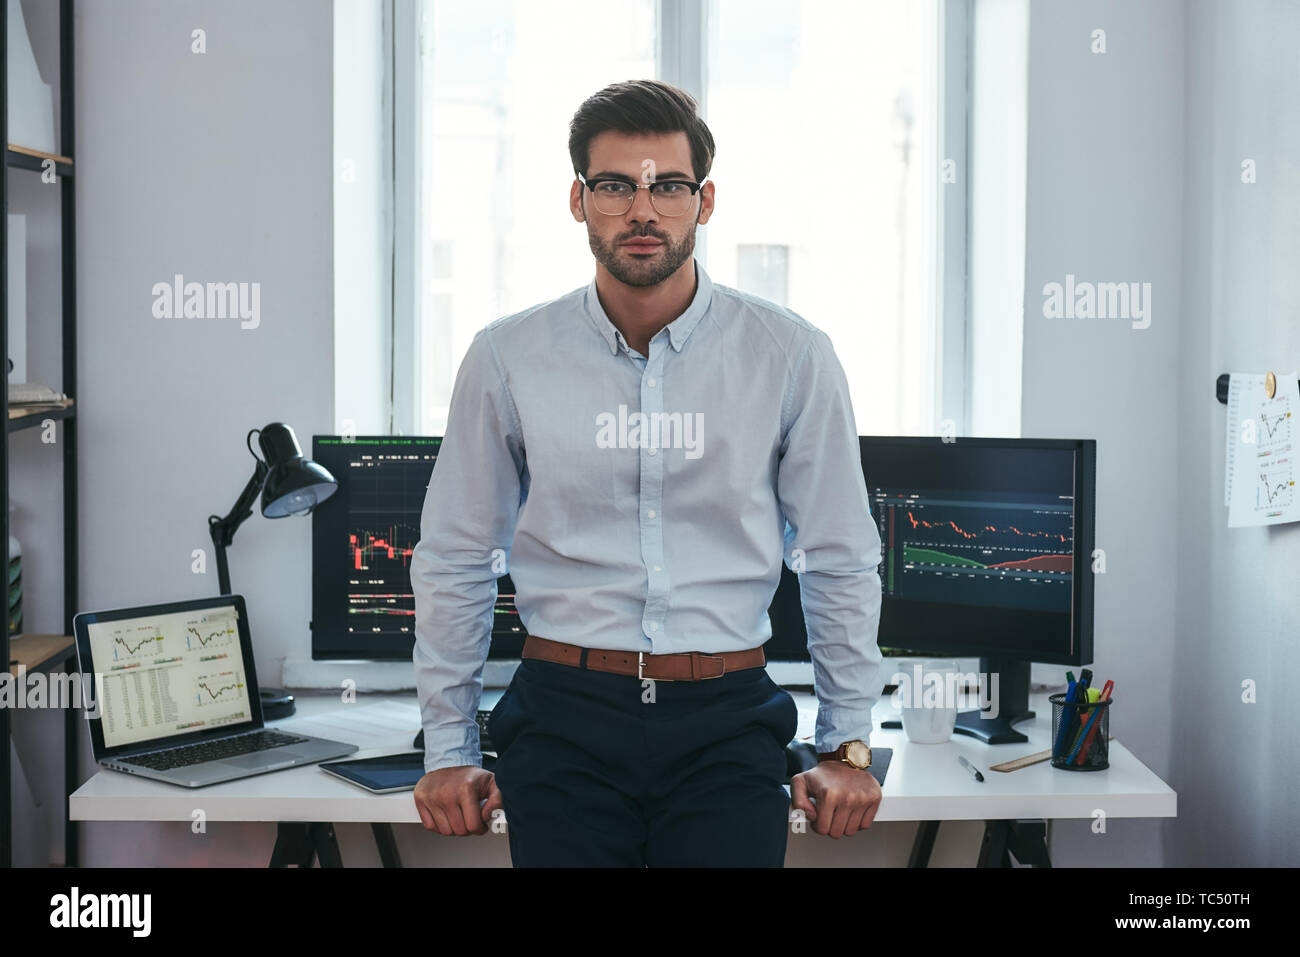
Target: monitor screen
point(362, 540)
point(986, 549)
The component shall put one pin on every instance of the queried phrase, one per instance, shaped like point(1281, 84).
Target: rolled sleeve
point(466, 530)
point(832, 543)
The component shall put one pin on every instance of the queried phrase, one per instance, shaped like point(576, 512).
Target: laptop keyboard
point(217, 750)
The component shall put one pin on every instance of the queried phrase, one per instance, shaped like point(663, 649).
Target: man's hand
point(448, 800)
point(847, 799)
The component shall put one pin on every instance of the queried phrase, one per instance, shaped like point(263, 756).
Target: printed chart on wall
point(1260, 473)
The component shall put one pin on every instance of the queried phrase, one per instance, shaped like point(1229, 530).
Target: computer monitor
point(986, 551)
point(362, 539)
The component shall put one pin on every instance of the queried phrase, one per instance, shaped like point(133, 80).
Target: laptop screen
point(169, 674)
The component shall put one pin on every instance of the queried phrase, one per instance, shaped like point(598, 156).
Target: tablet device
point(381, 775)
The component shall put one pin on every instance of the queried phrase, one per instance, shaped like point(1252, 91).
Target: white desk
point(924, 783)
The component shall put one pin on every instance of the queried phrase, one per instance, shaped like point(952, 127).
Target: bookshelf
point(44, 653)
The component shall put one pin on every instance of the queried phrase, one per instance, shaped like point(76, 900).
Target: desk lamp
point(290, 485)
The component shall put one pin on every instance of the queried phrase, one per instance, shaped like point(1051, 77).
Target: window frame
point(953, 347)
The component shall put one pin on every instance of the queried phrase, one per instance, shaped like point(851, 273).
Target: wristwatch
point(854, 753)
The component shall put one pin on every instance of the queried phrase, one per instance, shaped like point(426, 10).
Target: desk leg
point(297, 843)
point(926, 832)
point(386, 843)
point(1025, 839)
point(327, 846)
point(993, 849)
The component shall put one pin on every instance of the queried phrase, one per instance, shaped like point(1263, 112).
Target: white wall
point(216, 166)
point(1235, 764)
point(1135, 174)
point(1105, 203)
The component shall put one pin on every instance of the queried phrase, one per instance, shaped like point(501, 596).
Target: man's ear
point(575, 202)
point(706, 203)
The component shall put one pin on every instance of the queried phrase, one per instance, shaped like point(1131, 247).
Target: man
point(646, 451)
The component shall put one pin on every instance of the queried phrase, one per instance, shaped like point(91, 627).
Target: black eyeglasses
point(614, 197)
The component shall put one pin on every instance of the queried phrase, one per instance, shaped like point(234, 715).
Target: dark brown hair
point(640, 106)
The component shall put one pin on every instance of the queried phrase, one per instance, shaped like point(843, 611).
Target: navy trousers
point(594, 774)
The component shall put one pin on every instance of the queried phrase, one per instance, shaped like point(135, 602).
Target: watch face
point(859, 754)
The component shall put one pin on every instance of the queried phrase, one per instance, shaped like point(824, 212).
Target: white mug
point(931, 714)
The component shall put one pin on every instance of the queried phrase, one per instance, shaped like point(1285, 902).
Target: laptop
point(175, 695)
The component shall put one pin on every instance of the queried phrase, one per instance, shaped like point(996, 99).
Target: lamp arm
point(223, 528)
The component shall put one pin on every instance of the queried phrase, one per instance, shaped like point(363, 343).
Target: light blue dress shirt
point(645, 503)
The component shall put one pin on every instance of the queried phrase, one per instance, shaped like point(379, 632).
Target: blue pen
point(1082, 736)
point(1065, 722)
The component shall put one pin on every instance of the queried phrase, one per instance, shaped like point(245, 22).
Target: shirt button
point(650, 514)
point(653, 450)
point(658, 568)
point(650, 383)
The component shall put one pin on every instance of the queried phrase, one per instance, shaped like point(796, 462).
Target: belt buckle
point(640, 666)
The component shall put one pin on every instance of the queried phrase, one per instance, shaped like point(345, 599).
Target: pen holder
point(1080, 734)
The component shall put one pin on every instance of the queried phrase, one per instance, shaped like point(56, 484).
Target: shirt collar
point(679, 330)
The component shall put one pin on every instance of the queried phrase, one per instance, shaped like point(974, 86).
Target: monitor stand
point(1013, 704)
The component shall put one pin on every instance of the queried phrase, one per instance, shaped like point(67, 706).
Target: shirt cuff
point(834, 727)
point(457, 759)
point(452, 749)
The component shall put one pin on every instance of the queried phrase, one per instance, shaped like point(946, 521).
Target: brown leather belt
point(683, 666)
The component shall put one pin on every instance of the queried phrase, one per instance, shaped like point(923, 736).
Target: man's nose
point(642, 210)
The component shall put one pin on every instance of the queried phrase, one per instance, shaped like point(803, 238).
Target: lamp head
point(294, 485)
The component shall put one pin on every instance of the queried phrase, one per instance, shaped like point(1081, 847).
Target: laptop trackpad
point(265, 759)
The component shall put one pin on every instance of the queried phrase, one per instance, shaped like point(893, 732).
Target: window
point(825, 113)
point(833, 120)
point(764, 271)
point(501, 81)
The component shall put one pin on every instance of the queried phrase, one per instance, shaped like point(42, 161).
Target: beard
point(637, 271)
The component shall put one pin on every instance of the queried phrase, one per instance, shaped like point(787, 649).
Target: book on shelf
point(27, 397)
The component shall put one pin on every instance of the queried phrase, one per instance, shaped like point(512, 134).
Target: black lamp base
point(276, 703)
